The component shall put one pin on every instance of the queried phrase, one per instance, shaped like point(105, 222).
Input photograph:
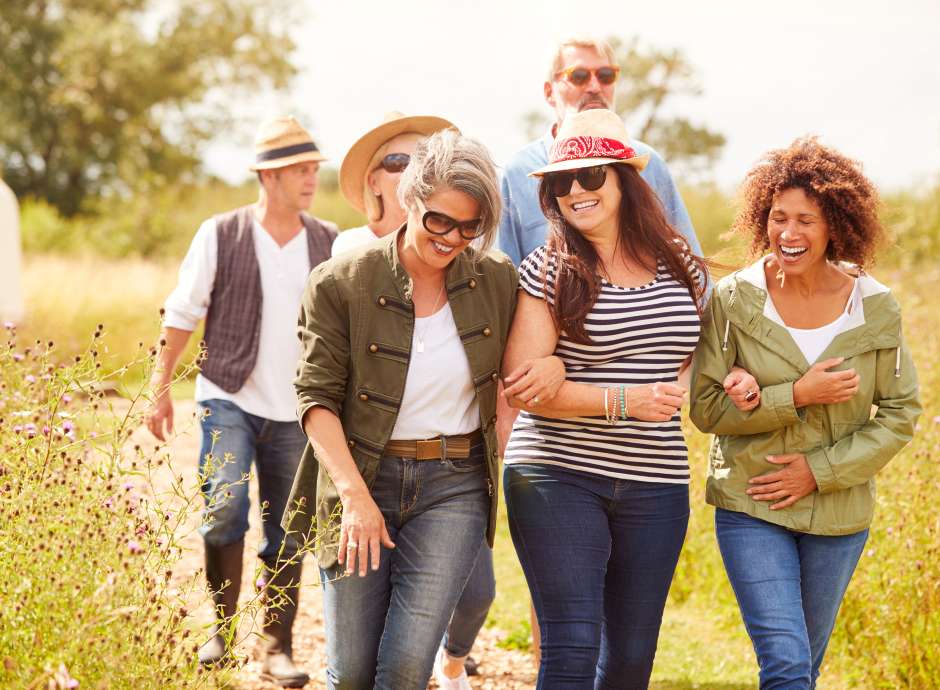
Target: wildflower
point(134, 547)
point(936, 419)
point(17, 357)
point(29, 378)
point(66, 398)
point(127, 486)
point(63, 679)
point(30, 429)
point(46, 430)
point(9, 325)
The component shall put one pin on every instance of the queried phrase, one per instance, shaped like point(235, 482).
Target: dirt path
point(499, 669)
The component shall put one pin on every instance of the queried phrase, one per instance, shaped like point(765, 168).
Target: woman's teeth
point(442, 248)
point(793, 251)
point(583, 205)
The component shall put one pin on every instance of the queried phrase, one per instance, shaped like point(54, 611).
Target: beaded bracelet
point(623, 403)
point(607, 405)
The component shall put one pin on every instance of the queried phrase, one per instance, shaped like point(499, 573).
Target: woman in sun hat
point(596, 479)
point(369, 174)
point(397, 391)
point(793, 479)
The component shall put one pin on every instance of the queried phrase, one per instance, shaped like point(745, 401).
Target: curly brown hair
point(848, 199)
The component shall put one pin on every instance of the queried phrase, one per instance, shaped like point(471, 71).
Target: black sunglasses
point(440, 224)
point(395, 162)
point(590, 179)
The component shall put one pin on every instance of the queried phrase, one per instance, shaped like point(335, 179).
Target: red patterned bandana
point(575, 148)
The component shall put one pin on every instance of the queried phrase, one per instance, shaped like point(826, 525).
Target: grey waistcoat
point(233, 321)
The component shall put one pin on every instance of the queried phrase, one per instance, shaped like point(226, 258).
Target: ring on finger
point(352, 546)
point(751, 395)
point(535, 400)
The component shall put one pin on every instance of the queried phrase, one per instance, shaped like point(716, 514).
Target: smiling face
point(593, 213)
point(798, 232)
point(438, 251)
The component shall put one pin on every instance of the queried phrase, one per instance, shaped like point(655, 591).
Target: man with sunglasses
point(369, 175)
point(583, 75)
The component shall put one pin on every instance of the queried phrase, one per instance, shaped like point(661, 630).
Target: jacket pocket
point(378, 400)
point(841, 430)
point(396, 354)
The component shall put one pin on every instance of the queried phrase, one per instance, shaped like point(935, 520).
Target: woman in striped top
point(596, 478)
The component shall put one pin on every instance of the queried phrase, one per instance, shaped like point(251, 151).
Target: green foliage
point(650, 80)
point(101, 97)
point(157, 224)
point(87, 545)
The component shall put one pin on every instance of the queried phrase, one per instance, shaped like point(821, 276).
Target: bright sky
point(864, 75)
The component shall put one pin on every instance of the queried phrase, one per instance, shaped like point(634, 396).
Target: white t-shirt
point(439, 398)
point(268, 392)
point(354, 237)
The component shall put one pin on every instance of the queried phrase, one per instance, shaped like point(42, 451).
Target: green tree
point(100, 97)
point(651, 80)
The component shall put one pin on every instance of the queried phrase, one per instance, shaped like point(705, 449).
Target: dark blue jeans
point(789, 587)
point(383, 630)
point(474, 604)
point(235, 440)
point(599, 555)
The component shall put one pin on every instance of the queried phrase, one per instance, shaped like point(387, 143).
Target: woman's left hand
point(535, 381)
point(787, 485)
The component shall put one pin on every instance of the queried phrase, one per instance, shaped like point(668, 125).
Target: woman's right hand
point(362, 533)
point(654, 402)
point(818, 386)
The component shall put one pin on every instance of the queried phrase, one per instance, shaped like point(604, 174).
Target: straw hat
point(352, 172)
point(591, 137)
point(281, 142)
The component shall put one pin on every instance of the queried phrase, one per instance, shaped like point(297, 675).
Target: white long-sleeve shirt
point(268, 392)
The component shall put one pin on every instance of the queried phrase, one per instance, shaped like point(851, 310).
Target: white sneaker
point(461, 682)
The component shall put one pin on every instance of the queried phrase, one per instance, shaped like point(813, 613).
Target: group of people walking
point(424, 357)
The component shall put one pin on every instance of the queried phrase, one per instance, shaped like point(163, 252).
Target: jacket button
point(351, 443)
point(473, 283)
point(495, 376)
point(487, 332)
point(493, 420)
point(363, 397)
point(383, 301)
point(373, 348)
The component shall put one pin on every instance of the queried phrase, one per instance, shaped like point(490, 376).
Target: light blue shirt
point(523, 227)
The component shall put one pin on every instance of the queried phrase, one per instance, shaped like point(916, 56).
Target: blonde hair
point(600, 46)
point(373, 203)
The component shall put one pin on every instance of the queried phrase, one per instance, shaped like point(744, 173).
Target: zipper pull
point(489, 487)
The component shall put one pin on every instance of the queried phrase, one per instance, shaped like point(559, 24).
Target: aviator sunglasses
point(395, 162)
point(591, 179)
point(440, 224)
point(579, 76)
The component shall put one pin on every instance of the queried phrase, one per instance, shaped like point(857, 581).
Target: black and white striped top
point(638, 335)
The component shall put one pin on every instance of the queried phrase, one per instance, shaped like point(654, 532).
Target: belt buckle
point(431, 449)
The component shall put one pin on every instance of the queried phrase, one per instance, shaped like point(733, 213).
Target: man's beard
point(592, 101)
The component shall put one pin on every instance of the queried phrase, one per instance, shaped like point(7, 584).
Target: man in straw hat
point(370, 172)
point(583, 75)
point(245, 273)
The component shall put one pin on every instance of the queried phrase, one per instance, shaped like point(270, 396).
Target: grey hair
point(448, 159)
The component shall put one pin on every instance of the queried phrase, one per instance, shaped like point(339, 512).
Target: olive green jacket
point(844, 444)
point(356, 325)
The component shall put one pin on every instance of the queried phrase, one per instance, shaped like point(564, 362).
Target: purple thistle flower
point(17, 357)
point(9, 325)
point(67, 426)
point(134, 547)
point(29, 378)
point(30, 429)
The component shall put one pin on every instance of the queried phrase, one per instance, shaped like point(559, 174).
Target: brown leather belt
point(435, 448)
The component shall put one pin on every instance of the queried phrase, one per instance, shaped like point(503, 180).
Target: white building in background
point(11, 277)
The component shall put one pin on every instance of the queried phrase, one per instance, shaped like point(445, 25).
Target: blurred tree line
point(99, 98)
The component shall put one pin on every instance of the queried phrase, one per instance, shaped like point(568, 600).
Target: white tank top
point(439, 398)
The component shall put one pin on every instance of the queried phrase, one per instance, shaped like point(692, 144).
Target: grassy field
point(888, 634)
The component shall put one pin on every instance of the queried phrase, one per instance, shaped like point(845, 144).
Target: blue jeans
point(383, 630)
point(231, 440)
point(789, 587)
point(598, 555)
point(474, 604)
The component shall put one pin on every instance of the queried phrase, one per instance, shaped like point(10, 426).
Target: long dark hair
point(645, 236)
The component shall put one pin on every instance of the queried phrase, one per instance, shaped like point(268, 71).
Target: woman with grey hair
point(397, 393)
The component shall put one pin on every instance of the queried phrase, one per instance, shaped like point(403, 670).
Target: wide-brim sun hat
point(589, 138)
point(282, 141)
point(352, 171)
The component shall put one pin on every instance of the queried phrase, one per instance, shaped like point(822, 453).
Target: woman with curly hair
point(792, 477)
